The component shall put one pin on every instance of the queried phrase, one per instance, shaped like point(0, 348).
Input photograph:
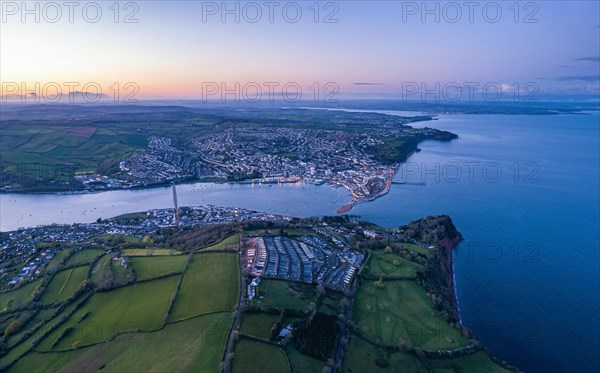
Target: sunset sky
point(373, 49)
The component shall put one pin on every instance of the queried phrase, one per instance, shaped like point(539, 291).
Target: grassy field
point(140, 307)
point(83, 256)
point(258, 324)
point(18, 297)
point(16, 352)
point(392, 264)
point(211, 283)
point(57, 261)
point(195, 345)
point(230, 241)
point(150, 252)
point(120, 274)
point(362, 356)
point(64, 284)
point(285, 294)
point(258, 357)
point(54, 145)
point(303, 363)
point(150, 267)
point(401, 311)
point(109, 238)
point(417, 249)
point(42, 315)
point(101, 275)
point(477, 362)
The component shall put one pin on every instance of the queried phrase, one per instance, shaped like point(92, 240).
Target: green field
point(258, 357)
point(83, 256)
point(194, 345)
point(362, 356)
point(151, 267)
point(285, 294)
point(49, 146)
point(17, 298)
point(230, 241)
point(417, 249)
point(40, 316)
point(150, 252)
point(211, 283)
point(101, 275)
point(477, 362)
point(120, 274)
point(303, 363)
point(258, 324)
point(391, 264)
point(57, 261)
point(20, 349)
point(64, 284)
point(401, 312)
point(139, 307)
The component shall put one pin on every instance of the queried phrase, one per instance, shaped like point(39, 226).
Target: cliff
point(438, 231)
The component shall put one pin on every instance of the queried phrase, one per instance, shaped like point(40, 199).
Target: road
point(344, 333)
point(236, 319)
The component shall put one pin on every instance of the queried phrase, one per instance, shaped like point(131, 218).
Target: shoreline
point(388, 186)
point(447, 247)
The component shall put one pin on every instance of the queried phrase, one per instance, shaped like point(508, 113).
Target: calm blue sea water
point(523, 190)
point(528, 272)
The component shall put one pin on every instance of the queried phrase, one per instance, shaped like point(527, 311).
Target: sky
point(355, 48)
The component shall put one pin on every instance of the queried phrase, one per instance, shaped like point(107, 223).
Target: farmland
point(139, 307)
point(123, 328)
point(192, 346)
point(18, 297)
point(250, 358)
point(258, 324)
point(152, 302)
point(146, 268)
point(401, 311)
point(83, 256)
point(64, 284)
point(477, 362)
point(226, 243)
point(283, 294)
point(390, 264)
point(206, 273)
point(362, 356)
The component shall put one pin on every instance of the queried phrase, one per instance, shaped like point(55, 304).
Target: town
point(355, 160)
point(319, 257)
point(32, 249)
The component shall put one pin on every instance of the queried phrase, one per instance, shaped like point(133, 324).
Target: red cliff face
point(440, 232)
point(446, 247)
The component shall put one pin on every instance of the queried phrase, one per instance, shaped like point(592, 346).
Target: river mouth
point(24, 210)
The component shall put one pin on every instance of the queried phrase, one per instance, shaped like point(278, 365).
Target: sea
point(524, 191)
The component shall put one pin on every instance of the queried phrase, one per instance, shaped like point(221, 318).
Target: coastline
point(388, 185)
point(447, 247)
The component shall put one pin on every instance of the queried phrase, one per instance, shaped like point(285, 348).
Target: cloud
point(588, 59)
point(367, 83)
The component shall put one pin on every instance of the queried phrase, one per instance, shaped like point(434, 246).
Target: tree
point(379, 284)
point(12, 328)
